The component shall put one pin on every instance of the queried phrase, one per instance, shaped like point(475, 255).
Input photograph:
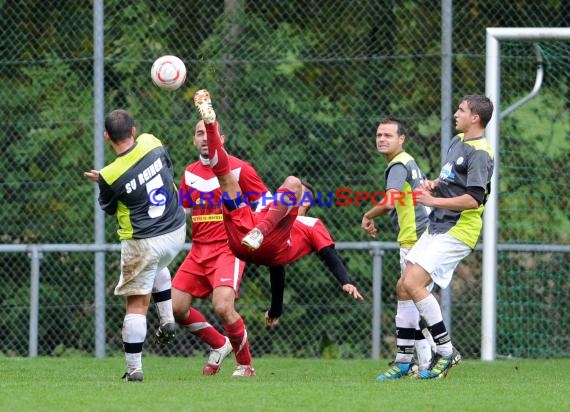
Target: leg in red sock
point(197, 324)
point(219, 161)
point(238, 338)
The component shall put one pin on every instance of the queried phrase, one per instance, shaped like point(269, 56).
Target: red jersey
point(294, 237)
point(200, 192)
point(274, 250)
point(308, 234)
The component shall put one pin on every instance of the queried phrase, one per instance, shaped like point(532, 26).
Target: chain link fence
point(299, 88)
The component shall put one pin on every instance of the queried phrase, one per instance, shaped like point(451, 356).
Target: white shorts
point(142, 259)
point(439, 254)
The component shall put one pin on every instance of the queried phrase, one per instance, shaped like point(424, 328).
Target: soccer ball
point(168, 72)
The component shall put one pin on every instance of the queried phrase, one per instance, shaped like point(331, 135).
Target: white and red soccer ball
point(168, 72)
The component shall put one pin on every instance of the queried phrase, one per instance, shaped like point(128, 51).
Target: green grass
point(176, 384)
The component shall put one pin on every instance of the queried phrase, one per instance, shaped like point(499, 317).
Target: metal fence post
point(35, 256)
point(377, 253)
point(99, 154)
point(446, 117)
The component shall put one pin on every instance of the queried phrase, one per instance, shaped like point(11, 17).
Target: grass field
point(176, 384)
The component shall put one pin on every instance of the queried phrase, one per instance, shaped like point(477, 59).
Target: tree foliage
point(299, 89)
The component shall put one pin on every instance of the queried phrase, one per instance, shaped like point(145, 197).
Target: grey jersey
point(467, 164)
point(138, 187)
point(410, 221)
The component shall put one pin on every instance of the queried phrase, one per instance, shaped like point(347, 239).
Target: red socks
point(197, 324)
point(219, 161)
point(238, 338)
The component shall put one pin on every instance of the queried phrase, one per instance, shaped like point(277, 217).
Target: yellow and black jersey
point(139, 187)
point(409, 218)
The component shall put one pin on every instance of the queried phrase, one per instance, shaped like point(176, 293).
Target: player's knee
point(406, 281)
point(400, 291)
point(180, 311)
point(414, 280)
point(222, 308)
point(292, 183)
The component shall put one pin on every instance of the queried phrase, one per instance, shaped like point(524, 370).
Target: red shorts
point(274, 250)
point(206, 267)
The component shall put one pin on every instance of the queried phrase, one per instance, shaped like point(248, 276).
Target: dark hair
point(309, 187)
point(401, 129)
point(118, 124)
point(311, 190)
point(480, 105)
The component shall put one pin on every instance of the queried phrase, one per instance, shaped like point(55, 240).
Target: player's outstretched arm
point(332, 261)
point(277, 280)
point(368, 226)
point(352, 291)
point(92, 175)
point(367, 223)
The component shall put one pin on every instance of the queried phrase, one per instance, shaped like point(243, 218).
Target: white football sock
point(161, 293)
point(134, 332)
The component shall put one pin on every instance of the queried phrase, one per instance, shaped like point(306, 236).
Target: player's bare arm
point(458, 203)
point(367, 223)
point(92, 175)
point(368, 226)
point(352, 291)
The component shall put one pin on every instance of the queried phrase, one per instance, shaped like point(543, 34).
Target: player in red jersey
point(308, 234)
point(245, 229)
point(274, 236)
point(210, 268)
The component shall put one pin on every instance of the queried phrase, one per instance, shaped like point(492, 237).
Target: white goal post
point(490, 218)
